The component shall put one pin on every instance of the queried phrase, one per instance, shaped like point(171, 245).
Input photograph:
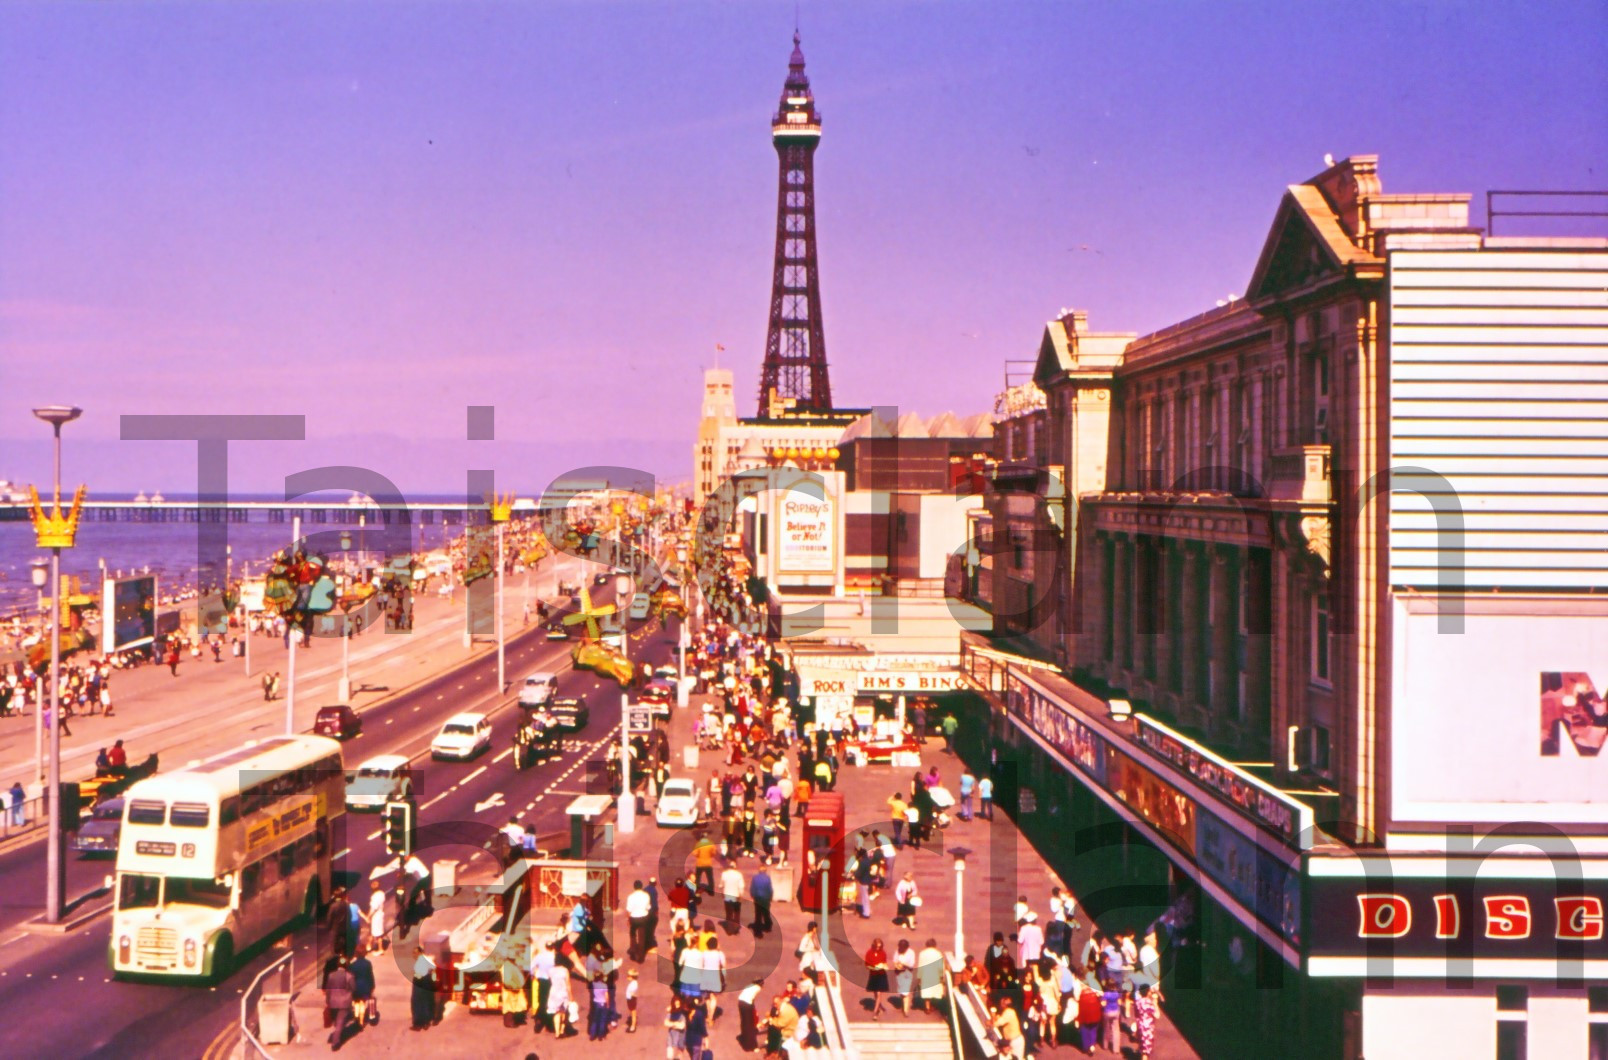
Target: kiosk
point(823, 842)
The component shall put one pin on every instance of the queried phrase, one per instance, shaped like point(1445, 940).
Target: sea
point(169, 549)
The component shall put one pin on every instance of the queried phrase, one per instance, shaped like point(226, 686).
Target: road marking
point(380, 870)
point(14, 938)
point(471, 776)
point(433, 801)
point(376, 834)
point(342, 854)
point(495, 799)
point(390, 720)
point(416, 709)
point(505, 754)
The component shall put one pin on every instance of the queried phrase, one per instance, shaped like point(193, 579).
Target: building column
point(1257, 621)
point(1189, 604)
point(1123, 608)
point(1224, 572)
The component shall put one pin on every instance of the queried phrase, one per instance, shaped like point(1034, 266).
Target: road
point(44, 981)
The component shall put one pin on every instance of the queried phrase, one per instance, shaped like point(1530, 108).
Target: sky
point(375, 214)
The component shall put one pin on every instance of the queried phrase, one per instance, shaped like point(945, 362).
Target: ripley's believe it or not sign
point(805, 534)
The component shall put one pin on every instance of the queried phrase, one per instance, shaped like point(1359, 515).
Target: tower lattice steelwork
point(795, 346)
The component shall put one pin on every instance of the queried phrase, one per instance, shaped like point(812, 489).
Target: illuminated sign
point(1262, 804)
point(1459, 915)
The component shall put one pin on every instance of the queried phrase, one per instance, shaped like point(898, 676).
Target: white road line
point(433, 801)
point(505, 754)
point(389, 720)
point(376, 834)
point(14, 938)
point(342, 854)
point(472, 776)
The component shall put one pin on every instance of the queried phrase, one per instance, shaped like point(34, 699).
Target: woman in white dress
point(558, 997)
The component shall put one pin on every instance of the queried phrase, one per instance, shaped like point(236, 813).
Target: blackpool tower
point(795, 345)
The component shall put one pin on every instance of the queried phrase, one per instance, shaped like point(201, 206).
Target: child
point(631, 1002)
point(597, 1024)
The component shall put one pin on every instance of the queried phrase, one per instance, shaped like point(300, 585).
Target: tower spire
point(795, 344)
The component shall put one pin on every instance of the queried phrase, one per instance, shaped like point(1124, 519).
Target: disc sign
point(639, 718)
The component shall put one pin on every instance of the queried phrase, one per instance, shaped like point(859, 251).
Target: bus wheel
point(222, 958)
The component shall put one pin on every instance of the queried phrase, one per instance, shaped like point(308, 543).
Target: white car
point(378, 781)
point(462, 737)
point(641, 605)
point(538, 690)
point(678, 805)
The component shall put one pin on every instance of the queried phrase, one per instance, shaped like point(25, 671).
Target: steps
point(900, 1037)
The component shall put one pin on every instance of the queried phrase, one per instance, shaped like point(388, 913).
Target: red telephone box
point(823, 843)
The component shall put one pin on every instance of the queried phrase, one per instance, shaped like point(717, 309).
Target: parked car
point(678, 804)
point(571, 712)
point(659, 694)
point(97, 834)
point(339, 721)
point(558, 631)
point(378, 781)
point(462, 737)
point(538, 690)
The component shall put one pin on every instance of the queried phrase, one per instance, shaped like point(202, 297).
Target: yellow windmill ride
point(592, 654)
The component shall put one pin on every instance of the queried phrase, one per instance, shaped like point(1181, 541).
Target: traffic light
point(72, 804)
point(399, 828)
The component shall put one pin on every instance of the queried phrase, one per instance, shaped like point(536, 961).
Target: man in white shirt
point(1029, 939)
point(731, 889)
point(639, 908)
point(1150, 959)
point(514, 832)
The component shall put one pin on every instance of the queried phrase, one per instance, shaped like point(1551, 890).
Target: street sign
point(639, 718)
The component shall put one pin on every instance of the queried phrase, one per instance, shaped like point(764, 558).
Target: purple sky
point(376, 214)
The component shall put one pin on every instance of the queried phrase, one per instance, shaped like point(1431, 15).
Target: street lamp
point(683, 693)
point(501, 509)
point(343, 690)
point(627, 812)
point(56, 533)
point(960, 898)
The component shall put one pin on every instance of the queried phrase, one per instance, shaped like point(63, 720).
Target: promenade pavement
point(1000, 866)
point(211, 706)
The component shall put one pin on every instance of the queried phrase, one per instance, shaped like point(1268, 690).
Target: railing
point(250, 1028)
point(29, 817)
point(968, 1006)
point(835, 1019)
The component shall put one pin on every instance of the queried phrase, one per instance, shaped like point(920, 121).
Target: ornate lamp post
point(343, 690)
point(626, 823)
point(501, 509)
point(960, 898)
point(56, 532)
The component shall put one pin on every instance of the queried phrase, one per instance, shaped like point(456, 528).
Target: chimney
point(1076, 321)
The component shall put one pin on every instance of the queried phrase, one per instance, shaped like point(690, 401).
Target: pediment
point(1305, 244)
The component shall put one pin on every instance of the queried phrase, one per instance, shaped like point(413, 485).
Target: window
point(138, 891)
point(1512, 1040)
point(1320, 748)
point(208, 893)
point(191, 815)
point(1320, 637)
point(147, 811)
point(250, 880)
point(1512, 998)
point(229, 812)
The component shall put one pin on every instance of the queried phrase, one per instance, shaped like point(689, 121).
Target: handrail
point(835, 1019)
point(966, 999)
point(247, 1019)
point(954, 1012)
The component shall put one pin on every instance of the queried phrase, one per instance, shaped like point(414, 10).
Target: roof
point(467, 717)
point(910, 425)
point(1305, 210)
point(384, 762)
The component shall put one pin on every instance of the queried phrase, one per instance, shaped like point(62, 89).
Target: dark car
point(571, 712)
point(341, 722)
point(97, 834)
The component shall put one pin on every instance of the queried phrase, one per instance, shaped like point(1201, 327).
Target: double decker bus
point(222, 854)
